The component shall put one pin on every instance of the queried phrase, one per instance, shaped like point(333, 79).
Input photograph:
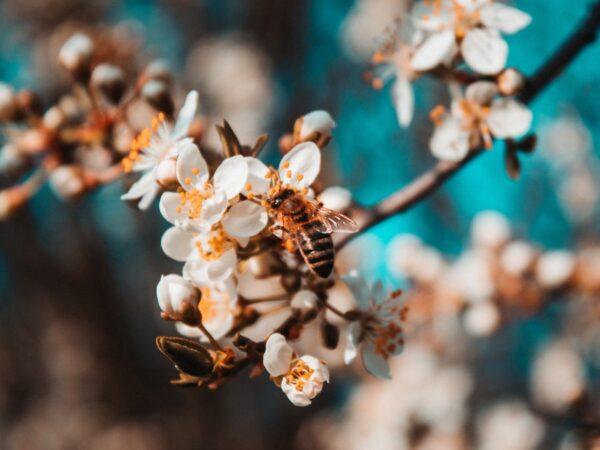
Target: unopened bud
point(76, 56)
point(157, 94)
point(304, 300)
point(165, 173)
point(510, 82)
point(110, 80)
point(175, 295)
point(188, 356)
point(67, 182)
point(482, 319)
point(8, 107)
point(11, 200)
point(54, 118)
point(12, 160)
point(264, 265)
point(330, 334)
point(159, 70)
point(315, 126)
point(555, 269)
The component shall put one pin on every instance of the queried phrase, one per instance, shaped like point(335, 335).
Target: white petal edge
point(435, 50)
point(303, 161)
point(231, 175)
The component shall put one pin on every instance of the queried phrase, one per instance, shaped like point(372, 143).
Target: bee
point(310, 225)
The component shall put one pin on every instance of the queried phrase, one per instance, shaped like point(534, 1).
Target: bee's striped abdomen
point(316, 247)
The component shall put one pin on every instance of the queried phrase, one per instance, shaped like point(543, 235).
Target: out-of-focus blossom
point(301, 378)
point(482, 318)
point(379, 334)
point(474, 26)
point(555, 269)
point(518, 257)
point(474, 119)
point(558, 380)
point(76, 53)
point(154, 154)
point(336, 198)
point(509, 425)
point(490, 230)
point(7, 102)
point(304, 300)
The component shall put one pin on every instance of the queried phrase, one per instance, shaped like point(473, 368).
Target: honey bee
point(310, 225)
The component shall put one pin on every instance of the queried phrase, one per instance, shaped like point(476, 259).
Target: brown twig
point(429, 182)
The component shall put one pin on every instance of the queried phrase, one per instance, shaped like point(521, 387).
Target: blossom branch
point(430, 181)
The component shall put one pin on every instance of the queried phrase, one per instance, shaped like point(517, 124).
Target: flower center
point(191, 201)
point(215, 246)
point(140, 142)
point(299, 375)
point(207, 306)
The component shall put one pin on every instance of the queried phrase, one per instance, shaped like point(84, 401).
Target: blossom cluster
point(459, 42)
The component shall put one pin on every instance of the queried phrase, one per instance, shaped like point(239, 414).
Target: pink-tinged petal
point(245, 219)
point(450, 142)
point(481, 92)
point(177, 244)
point(484, 51)
point(230, 177)
point(186, 116)
point(509, 118)
point(504, 18)
point(278, 355)
point(191, 168)
point(213, 208)
point(352, 341)
point(434, 51)
point(257, 181)
point(375, 364)
point(300, 167)
point(403, 101)
point(359, 289)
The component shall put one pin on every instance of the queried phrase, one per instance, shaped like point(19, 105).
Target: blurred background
point(78, 315)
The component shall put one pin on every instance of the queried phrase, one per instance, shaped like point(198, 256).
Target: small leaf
point(513, 166)
point(188, 356)
point(259, 144)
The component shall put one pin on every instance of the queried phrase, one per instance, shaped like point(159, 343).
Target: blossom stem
point(336, 311)
point(210, 337)
point(273, 298)
point(426, 184)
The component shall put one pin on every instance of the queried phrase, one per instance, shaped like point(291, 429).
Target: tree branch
point(430, 181)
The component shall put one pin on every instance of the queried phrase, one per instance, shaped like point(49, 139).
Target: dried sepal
point(330, 335)
point(258, 145)
point(229, 141)
point(189, 356)
point(512, 164)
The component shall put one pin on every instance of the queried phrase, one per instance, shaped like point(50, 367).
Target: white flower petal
point(375, 364)
point(403, 100)
point(191, 168)
point(352, 341)
point(245, 219)
point(177, 244)
point(450, 142)
point(231, 175)
point(222, 268)
point(509, 118)
point(481, 92)
point(505, 18)
point(359, 289)
point(172, 291)
point(213, 208)
point(484, 51)
point(257, 172)
point(336, 198)
point(317, 121)
point(140, 187)
point(435, 50)
point(300, 167)
point(186, 116)
point(149, 197)
point(278, 355)
point(168, 204)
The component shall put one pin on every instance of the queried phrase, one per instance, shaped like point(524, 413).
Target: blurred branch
point(428, 183)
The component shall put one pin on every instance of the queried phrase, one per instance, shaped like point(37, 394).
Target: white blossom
point(554, 269)
point(301, 378)
point(161, 144)
point(378, 335)
point(173, 292)
point(316, 122)
point(472, 26)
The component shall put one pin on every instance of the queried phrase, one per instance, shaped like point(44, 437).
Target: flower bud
point(8, 107)
point(304, 300)
point(157, 94)
point(188, 356)
point(165, 173)
point(110, 80)
point(159, 70)
point(175, 295)
point(510, 82)
point(76, 56)
point(482, 319)
point(517, 258)
point(11, 200)
point(291, 282)
point(315, 126)
point(67, 182)
point(54, 118)
point(12, 160)
point(555, 269)
point(490, 230)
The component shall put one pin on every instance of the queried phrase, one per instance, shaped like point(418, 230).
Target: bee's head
point(281, 197)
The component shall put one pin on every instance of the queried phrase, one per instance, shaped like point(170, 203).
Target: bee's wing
point(332, 221)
